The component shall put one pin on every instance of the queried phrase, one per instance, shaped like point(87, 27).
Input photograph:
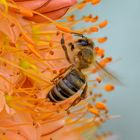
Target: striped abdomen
point(67, 86)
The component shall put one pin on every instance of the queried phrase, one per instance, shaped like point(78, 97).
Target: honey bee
point(82, 58)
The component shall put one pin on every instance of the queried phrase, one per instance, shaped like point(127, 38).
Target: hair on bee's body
point(83, 54)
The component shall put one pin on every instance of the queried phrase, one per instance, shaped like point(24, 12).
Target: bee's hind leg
point(78, 99)
point(65, 48)
point(84, 93)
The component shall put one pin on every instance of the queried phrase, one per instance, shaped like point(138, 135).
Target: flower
point(31, 56)
point(22, 127)
point(51, 8)
point(3, 104)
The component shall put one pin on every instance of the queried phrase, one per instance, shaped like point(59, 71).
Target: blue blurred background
point(124, 44)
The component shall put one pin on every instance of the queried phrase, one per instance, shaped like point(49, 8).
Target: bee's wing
point(107, 75)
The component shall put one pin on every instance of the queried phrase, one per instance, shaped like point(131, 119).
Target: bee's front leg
point(65, 48)
point(71, 46)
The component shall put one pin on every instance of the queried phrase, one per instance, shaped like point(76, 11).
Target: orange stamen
point(98, 79)
point(71, 18)
point(25, 12)
point(101, 106)
point(65, 29)
point(58, 25)
point(109, 87)
point(19, 9)
point(107, 59)
point(94, 29)
point(103, 24)
point(95, 2)
point(81, 6)
point(94, 70)
point(94, 19)
point(102, 39)
point(99, 51)
point(87, 0)
point(90, 18)
point(93, 110)
point(52, 131)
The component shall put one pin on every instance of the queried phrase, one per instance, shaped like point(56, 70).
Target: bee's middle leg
point(59, 76)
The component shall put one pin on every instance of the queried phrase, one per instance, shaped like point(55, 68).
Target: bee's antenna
point(78, 34)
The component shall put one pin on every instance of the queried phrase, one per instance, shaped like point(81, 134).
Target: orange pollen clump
point(102, 39)
point(93, 110)
point(51, 44)
point(94, 29)
point(105, 61)
point(87, 0)
point(99, 51)
point(109, 87)
point(94, 70)
point(108, 59)
point(103, 24)
point(81, 5)
point(95, 2)
point(94, 19)
point(100, 106)
point(71, 18)
point(98, 79)
point(90, 18)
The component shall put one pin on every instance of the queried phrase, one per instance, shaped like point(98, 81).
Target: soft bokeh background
point(123, 44)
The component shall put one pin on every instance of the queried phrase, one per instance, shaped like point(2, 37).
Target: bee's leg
point(64, 48)
point(71, 45)
point(84, 93)
point(78, 99)
point(60, 75)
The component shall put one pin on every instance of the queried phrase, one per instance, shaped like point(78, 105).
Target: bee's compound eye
point(83, 42)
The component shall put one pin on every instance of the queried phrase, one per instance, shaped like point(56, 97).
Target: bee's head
point(85, 42)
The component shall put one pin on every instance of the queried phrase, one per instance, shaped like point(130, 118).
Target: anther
point(57, 33)
point(12, 25)
point(53, 103)
point(51, 52)
point(3, 133)
point(68, 112)
point(18, 132)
